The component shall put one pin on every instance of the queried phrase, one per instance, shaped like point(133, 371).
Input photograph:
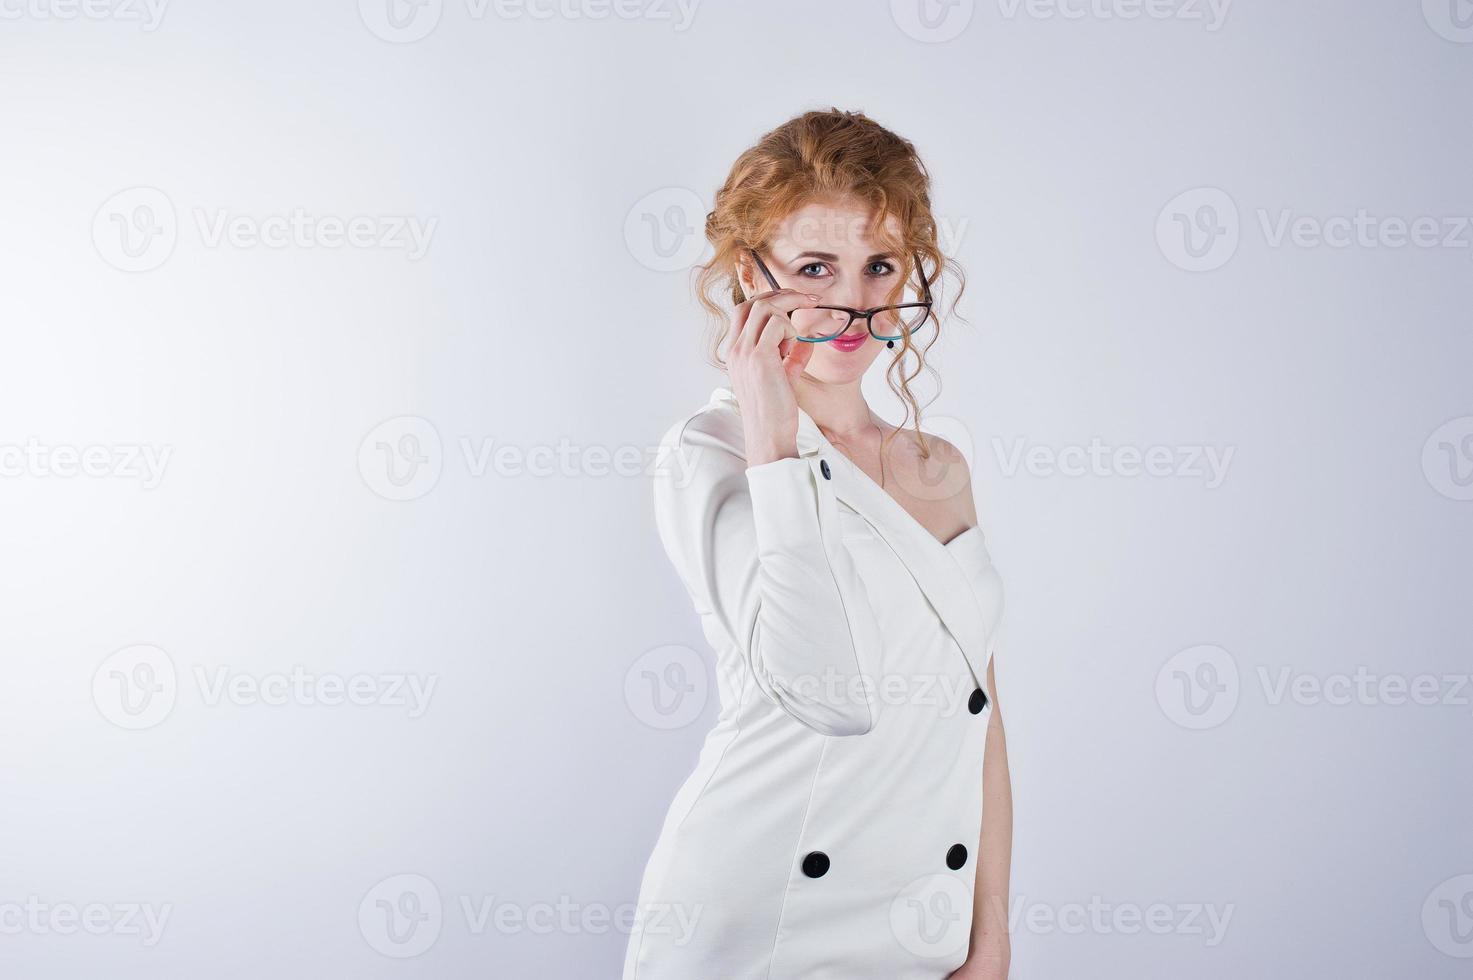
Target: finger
point(796, 358)
point(757, 319)
point(789, 299)
point(761, 307)
point(777, 329)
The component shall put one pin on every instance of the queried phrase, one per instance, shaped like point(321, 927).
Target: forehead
point(841, 227)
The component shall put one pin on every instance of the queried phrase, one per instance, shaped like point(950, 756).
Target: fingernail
point(813, 297)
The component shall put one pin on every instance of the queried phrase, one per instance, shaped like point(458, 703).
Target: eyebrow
point(831, 257)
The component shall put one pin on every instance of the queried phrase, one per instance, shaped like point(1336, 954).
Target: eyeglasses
point(894, 322)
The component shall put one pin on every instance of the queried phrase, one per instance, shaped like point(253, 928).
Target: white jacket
point(829, 829)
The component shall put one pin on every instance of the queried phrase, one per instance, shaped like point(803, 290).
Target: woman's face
point(823, 249)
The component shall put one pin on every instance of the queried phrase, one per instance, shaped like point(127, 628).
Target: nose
point(849, 296)
point(838, 319)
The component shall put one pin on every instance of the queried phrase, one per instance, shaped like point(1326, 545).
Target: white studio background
point(331, 587)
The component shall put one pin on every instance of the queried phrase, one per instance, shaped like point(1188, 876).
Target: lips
point(850, 342)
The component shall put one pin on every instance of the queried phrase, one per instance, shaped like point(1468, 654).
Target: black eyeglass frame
point(866, 315)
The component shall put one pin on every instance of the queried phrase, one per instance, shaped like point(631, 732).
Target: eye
point(812, 270)
point(880, 268)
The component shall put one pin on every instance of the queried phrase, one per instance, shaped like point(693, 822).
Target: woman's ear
point(746, 274)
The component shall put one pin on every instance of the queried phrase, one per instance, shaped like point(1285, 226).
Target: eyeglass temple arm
point(763, 266)
point(921, 274)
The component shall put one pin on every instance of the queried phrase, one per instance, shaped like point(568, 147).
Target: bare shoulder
point(943, 452)
point(933, 451)
point(935, 473)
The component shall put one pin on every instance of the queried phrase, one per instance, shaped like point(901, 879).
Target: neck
point(839, 410)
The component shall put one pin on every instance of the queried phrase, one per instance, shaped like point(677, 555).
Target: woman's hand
point(764, 362)
point(989, 959)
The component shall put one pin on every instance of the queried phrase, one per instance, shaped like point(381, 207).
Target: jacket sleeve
point(759, 550)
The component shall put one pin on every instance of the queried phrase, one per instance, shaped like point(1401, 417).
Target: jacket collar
point(933, 565)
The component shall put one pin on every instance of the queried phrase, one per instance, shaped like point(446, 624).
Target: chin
point(835, 368)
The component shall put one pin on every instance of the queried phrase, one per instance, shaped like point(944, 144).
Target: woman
point(850, 813)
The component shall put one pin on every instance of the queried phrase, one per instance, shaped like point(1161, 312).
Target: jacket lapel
point(929, 562)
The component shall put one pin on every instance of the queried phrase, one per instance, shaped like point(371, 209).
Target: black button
point(977, 702)
point(823, 467)
point(956, 858)
point(816, 864)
